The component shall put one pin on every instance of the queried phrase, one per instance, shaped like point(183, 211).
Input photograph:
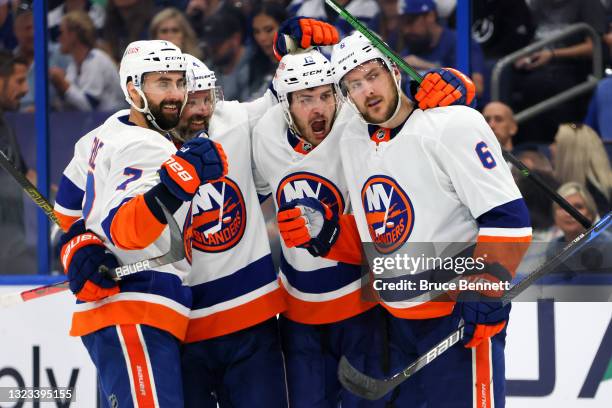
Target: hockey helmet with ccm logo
point(300, 71)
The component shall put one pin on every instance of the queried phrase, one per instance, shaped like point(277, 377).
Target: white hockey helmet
point(201, 78)
point(300, 71)
point(141, 57)
point(354, 51)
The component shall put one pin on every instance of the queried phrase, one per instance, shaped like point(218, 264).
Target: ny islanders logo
point(217, 217)
point(388, 211)
point(305, 184)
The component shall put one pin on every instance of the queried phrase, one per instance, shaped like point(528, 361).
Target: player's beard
point(188, 129)
point(163, 120)
point(388, 112)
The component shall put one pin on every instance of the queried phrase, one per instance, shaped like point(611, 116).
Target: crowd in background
point(566, 146)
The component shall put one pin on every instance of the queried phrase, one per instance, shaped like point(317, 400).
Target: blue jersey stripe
point(513, 214)
point(157, 283)
point(69, 195)
point(321, 280)
point(243, 281)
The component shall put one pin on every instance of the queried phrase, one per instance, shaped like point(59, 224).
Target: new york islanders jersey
point(69, 200)
point(123, 161)
point(233, 279)
point(318, 290)
point(441, 178)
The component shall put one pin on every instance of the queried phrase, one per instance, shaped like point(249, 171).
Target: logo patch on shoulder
point(389, 213)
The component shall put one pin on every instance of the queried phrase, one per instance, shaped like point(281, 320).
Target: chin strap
point(147, 112)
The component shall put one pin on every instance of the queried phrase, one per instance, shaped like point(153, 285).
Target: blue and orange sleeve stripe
point(139, 221)
point(504, 235)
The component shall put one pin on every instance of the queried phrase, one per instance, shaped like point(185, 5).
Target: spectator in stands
point(91, 81)
point(500, 118)
point(24, 32)
point(388, 22)
point(199, 10)
point(7, 37)
point(267, 17)
point(365, 11)
point(126, 21)
point(54, 18)
point(535, 160)
point(427, 45)
point(13, 252)
point(579, 155)
point(227, 56)
point(580, 198)
point(558, 66)
point(171, 25)
point(600, 110)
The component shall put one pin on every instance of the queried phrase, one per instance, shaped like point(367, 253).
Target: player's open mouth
point(318, 127)
point(197, 123)
point(374, 102)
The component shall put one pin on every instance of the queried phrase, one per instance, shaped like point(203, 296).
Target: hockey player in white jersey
point(132, 329)
point(431, 176)
point(294, 148)
point(232, 354)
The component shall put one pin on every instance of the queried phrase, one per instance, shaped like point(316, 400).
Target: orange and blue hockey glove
point(482, 311)
point(308, 223)
point(82, 254)
point(444, 87)
point(197, 162)
point(306, 32)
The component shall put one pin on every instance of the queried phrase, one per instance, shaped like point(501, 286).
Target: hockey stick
point(384, 48)
point(373, 388)
point(551, 193)
point(176, 253)
point(28, 187)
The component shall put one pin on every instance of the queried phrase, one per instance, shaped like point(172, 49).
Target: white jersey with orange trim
point(318, 290)
point(123, 162)
point(233, 279)
point(441, 178)
point(68, 206)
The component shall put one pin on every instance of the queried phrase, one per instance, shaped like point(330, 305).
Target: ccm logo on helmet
point(315, 72)
point(176, 167)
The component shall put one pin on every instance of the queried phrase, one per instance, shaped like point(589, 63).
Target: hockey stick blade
point(174, 254)
point(372, 388)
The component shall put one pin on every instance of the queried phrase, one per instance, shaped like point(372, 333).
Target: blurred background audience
point(234, 37)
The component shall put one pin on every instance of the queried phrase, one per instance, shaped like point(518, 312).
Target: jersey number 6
point(485, 156)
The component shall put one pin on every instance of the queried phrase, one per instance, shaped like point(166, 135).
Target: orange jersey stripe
point(483, 394)
point(507, 251)
point(427, 310)
point(347, 247)
point(137, 364)
point(65, 221)
point(134, 225)
point(129, 312)
point(237, 318)
point(330, 311)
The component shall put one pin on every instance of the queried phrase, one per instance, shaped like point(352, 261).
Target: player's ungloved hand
point(308, 223)
point(443, 87)
point(483, 318)
point(306, 32)
point(81, 255)
point(198, 161)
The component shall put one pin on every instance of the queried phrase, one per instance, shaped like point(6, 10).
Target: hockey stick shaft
point(551, 193)
point(373, 389)
point(28, 187)
point(386, 50)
